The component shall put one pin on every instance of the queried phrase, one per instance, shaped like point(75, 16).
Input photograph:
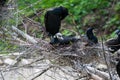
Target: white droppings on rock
point(25, 61)
point(101, 66)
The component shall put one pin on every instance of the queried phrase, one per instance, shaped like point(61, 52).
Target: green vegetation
point(84, 13)
point(6, 47)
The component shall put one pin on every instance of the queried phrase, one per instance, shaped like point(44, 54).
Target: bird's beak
point(61, 38)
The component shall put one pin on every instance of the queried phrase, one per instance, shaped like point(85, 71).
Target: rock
point(101, 67)
point(26, 61)
point(9, 61)
point(48, 62)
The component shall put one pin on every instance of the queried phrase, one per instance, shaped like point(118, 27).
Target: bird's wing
point(111, 42)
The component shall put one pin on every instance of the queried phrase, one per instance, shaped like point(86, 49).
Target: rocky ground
point(69, 62)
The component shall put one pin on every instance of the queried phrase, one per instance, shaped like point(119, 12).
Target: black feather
point(91, 37)
point(53, 19)
point(114, 44)
point(66, 40)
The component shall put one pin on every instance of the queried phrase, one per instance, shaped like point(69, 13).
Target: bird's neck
point(90, 35)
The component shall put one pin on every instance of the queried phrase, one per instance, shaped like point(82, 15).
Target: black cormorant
point(114, 44)
point(62, 40)
point(92, 39)
point(56, 38)
point(53, 19)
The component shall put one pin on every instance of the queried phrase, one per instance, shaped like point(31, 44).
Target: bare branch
point(45, 70)
point(29, 38)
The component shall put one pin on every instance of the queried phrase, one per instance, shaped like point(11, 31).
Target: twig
point(95, 77)
point(106, 59)
point(2, 75)
point(29, 38)
point(10, 68)
point(45, 70)
point(27, 7)
point(98, 72)
point(21, 74)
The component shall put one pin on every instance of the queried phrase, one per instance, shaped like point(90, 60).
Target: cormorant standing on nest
point(62, 40)
point(92, 39)
point(53, 20)
point(114, 44)
point(2, 2)
point(118, 68)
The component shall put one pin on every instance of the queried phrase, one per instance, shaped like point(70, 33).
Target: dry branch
point(64, 56)
point(45, 70)
point(95, 77)
point(2, 75)
point(29, 38)
point(100, 73)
